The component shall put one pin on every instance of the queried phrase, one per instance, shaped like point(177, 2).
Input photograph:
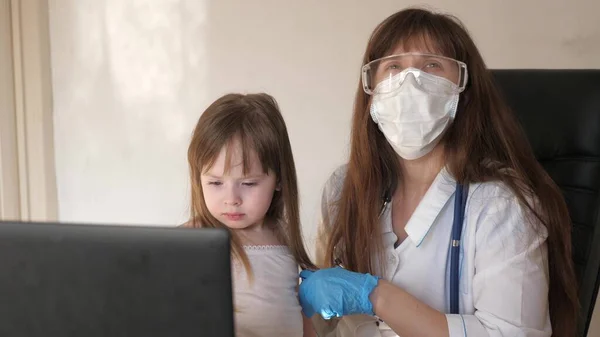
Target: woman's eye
point(433, 65)
point(215, 183)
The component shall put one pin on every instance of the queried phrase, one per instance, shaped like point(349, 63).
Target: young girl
point(243, 178)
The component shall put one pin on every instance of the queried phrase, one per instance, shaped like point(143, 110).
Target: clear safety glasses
point(380, 76)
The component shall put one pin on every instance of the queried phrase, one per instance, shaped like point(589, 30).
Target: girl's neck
point(257, 236)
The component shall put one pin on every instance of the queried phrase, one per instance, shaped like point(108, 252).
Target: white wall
point(130, 81)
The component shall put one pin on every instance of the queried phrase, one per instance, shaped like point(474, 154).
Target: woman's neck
point(416, 176)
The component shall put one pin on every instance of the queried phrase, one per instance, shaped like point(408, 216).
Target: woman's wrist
point(376, 297)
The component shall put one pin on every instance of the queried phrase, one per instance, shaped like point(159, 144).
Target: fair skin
point(240, 201)
point(404, 313)
point(417, 177)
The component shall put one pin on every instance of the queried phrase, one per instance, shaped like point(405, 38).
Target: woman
point(431, 140)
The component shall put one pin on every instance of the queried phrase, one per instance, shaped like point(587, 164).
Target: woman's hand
point(335, 292)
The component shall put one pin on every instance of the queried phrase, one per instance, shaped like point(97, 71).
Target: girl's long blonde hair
point(256, 121)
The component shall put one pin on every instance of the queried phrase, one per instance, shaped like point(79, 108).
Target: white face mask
point(414, 117)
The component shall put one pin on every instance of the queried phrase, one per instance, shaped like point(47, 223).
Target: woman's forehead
point(420, 43)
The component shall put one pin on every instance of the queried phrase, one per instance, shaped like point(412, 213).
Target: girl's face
point(238, 201)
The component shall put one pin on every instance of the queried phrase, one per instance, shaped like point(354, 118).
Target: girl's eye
point(215, 183)
point(250, 184)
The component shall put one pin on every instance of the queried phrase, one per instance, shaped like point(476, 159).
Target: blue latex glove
point(335, 292)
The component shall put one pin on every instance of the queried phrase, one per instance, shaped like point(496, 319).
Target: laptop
point(75, 280)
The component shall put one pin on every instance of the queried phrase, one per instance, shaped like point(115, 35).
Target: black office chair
point(560, 112)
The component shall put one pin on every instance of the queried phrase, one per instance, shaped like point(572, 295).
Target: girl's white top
point(269, 305)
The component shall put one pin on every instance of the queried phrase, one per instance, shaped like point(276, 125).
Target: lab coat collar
point(436, 197)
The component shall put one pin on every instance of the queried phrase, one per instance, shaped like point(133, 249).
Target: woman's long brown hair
point(485, 130)
point(256, 121)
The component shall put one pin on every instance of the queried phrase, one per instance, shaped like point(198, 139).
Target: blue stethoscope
point(460, 202)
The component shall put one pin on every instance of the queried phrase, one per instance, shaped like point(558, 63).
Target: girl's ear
point(278, 187)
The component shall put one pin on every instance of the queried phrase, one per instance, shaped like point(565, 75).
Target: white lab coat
point(504, 278)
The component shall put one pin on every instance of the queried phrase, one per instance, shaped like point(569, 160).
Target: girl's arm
point(307, 326)
point(309, 330)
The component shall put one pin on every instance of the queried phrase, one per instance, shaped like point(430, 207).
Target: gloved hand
point(335, 292)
